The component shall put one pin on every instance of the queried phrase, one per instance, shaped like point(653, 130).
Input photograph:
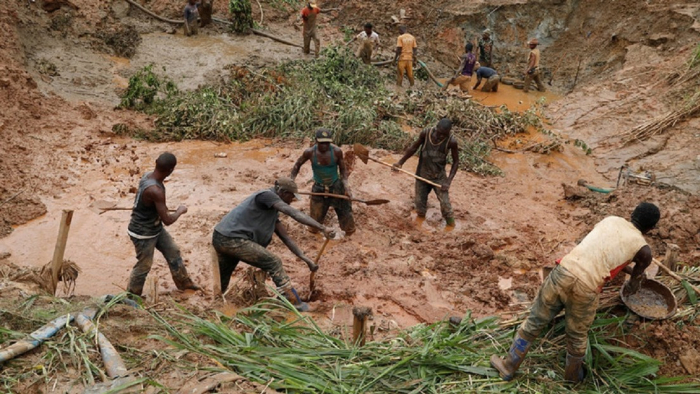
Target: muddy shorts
point(562, 290)
point(230, 251)
point(343, 208)
point(535, 76)
point(491, 84)
point(366, 53)
point(421, 198)
point(463, 81)
point(144, 256)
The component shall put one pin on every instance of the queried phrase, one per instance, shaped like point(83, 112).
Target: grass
point(270, 343)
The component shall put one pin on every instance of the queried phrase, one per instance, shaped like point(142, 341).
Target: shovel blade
point(361, 152)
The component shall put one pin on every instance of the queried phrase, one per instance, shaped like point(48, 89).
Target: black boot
point(573, 372)
point(508, 366)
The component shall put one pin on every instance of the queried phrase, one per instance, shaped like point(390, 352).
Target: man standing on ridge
point(146, 230)
point(309, 16)
point(575, 285)
point(406, 51)
point(246, 231)
point(434, 144)
point(330, 176)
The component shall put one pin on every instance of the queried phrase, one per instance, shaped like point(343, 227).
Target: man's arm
point(462, 64)
point(642, 260)
point(454, 148)
point(300, 162)
point(157, 197)
point(478, 81)
point(302, 218)
point(411, 149)
point(343, 170)
point(398, 53)
point(291, 245)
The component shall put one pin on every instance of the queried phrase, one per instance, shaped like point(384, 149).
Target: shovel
point(368, 202)
point(312, 278)
point(363, 154)
point(103, 210)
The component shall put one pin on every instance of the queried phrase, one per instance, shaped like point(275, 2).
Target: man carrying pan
point(575, 284)
point(330, 176)
point(434, 143)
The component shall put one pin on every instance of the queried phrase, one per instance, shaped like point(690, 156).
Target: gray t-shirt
point(254, 219)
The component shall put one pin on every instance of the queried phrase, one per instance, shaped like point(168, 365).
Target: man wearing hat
point(330, 176)
point(244, 233)
point(532, 72)
point(485, 49)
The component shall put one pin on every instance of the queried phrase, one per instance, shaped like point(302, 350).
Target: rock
point(483, 251)
point(691, 361)
point(572, 192)
point(120, 9)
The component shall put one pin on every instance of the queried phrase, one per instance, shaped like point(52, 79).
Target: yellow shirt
point(406, 42)
point(612, 243)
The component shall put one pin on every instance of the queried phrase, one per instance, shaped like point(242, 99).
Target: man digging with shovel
point(244, 233)
point(146, 230)
point(434, 144)
point(330, 176)
point(575, 284)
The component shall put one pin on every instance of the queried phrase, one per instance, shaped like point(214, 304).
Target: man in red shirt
point(308, 16)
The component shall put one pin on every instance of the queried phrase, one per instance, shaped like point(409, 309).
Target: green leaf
point(691, 292)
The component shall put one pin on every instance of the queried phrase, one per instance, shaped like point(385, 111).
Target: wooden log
point(359, 325)
point(671, 257)
point(57, 261)
point(215, 275)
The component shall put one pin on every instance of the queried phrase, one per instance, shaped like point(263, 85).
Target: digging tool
point(312, 277)
point(363, 154)
point(368, 202)
point(674, 275)
point(582, 182)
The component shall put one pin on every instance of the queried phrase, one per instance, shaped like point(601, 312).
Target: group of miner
point(245, 232)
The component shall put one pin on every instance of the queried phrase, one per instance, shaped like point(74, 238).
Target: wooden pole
point(671, 256)
point(57, 262)
point(359, 325)
point(215, 273)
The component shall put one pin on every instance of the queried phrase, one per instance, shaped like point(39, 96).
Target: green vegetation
point(270, 343)
point(336, 91)
point(241, 15)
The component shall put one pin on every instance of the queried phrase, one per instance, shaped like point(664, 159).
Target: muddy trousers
point(404, 66)
point(192, 27)
point(144, 256)
point(366, 53)
point(230, 251)
point(535, 76)
point(463, 81)
point(343, 208)
point(562, 290)
point(421, 199)
point(308, 36)
point(491, 84)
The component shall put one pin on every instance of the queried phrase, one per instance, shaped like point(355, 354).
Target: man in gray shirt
point(245, 232)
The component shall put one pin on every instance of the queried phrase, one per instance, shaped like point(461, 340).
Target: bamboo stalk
point(60, 249)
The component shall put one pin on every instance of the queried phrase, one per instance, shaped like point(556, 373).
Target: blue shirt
point(485, 72)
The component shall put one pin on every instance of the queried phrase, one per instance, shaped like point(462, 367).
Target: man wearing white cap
point(532, 72)
point(308, 16)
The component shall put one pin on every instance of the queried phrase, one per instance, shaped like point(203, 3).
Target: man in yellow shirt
point(532, 72)
point(406, 49)
point(575, 284)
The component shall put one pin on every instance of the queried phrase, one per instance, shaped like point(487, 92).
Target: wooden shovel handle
point(326, 195)
point(312, 278)
point(406, 172)
point(673, 274)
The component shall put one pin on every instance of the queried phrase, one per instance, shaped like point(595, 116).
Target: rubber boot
point(508, 366)
point(293, 297)
point(574, 372)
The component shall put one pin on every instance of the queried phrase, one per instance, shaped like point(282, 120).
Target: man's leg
point(307, 43)
point(409, 72)
point(581, 305)
point(318, 206)
point(227, 262)
point(167, 246)
point(400, 70)
point(538, 81)
point(494, 86)
point(317, 42)
point(464, 82)
point(144, 256)
point(445, 206)
point(526, 84)
point(420, 200)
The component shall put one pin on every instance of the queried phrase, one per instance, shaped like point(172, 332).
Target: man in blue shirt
point(492, 79)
